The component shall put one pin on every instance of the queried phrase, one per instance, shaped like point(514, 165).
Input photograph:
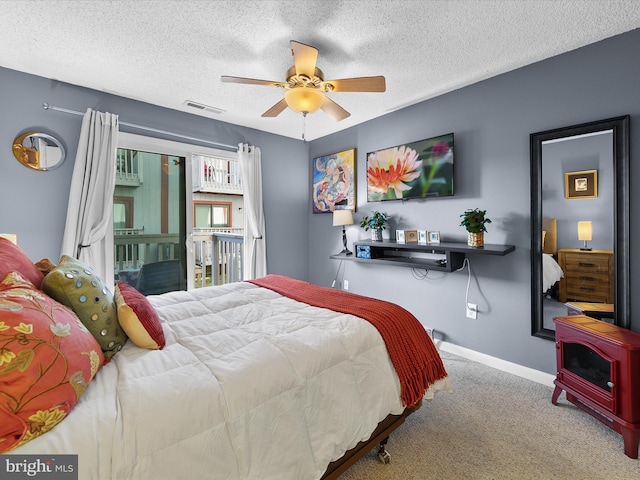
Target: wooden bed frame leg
point(380, 436)
point(383, 455)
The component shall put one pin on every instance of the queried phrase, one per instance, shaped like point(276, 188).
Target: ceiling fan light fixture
point(305, 87)
point(304, 99)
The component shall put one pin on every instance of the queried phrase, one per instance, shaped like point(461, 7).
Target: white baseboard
point(509, 367)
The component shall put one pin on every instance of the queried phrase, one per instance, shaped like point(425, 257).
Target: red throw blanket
point(413, 354)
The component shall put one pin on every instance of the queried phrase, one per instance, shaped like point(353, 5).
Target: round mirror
point(38, 151)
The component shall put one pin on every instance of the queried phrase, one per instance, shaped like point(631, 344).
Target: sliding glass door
point(149, 220)
point(163, 190)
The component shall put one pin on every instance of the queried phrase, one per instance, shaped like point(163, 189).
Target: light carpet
point(496, 426)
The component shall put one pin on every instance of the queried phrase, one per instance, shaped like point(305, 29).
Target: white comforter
point(551, 272)
point(251, 385)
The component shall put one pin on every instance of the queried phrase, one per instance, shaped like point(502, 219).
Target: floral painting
point(334, 182)
point(415, 170)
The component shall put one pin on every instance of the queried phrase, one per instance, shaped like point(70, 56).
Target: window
point(122, 212)
point(211, 214)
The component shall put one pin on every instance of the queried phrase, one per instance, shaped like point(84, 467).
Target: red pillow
point(138, 318)
point(47, 359)
point(14, 259)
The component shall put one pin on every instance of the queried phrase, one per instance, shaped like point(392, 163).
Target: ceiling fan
point(306, 87)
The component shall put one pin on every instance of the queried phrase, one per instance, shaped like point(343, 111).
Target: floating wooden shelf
point(444, 256)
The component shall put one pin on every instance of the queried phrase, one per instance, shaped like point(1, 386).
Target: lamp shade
point(585, 231)
point(342, 217)
point(304, 99)
point(13, 237)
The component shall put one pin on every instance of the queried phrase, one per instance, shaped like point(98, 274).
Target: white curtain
point(88, 233)
point(255, 251)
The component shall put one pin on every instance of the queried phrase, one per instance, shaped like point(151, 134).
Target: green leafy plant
point(377, 221)
point(475, 220)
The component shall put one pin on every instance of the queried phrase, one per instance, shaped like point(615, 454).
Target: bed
point(551, 270)
point(257, 380)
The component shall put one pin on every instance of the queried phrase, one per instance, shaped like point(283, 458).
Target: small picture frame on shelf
point(410, 236)
point(422, 237)
point(434, 237)
point(400, 236)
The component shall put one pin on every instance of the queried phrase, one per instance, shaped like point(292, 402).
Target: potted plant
point(376, 222)
point(475, 222)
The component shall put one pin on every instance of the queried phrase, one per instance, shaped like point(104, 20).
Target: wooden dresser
point(588, 275)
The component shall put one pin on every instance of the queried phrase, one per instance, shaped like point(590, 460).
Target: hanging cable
point(466, 263)
point(335, 279)
point(420, 273)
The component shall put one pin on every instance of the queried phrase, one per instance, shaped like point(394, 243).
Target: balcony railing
point(217, 254)
point(132, 249)
point(128, 168)
point(216, 175)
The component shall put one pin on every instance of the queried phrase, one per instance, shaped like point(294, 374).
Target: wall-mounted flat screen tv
point(413, 170)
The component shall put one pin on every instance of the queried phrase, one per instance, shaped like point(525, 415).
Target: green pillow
point(75, 285)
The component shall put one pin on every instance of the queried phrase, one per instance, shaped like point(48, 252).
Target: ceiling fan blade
point(276, 110)
point(334, 110)
point(304, 58)
point(359, 84)
point(252, 81)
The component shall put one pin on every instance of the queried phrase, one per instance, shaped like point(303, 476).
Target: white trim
point(575, 137)
point(497, 363)
point(168, 147)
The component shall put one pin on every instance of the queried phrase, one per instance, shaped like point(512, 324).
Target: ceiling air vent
point(200, 106)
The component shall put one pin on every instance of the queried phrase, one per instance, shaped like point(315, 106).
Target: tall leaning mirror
point(580, 223)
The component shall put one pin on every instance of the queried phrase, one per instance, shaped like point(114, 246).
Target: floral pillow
point(138, 318)
point(14, 259)
point(77, 286)
point(47, 359)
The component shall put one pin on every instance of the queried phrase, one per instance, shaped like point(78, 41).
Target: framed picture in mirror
point(581, 185)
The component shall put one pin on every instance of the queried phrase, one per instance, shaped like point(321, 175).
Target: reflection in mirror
point(577, 268)
point(579, 177)
point(38, 151)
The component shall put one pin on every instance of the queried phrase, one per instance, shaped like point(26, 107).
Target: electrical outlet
point(472, 311)
point(345, 284)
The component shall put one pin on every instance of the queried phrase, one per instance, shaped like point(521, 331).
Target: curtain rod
point(46, 106)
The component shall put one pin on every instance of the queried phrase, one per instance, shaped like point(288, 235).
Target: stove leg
point(556, 393)
point(631, 440)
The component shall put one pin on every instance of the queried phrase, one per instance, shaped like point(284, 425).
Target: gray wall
point(34, 204)
point(492, 121)
point(586, 153)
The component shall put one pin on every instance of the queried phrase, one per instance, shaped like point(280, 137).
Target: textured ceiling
point(165, 52)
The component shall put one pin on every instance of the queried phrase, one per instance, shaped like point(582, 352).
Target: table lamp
point(13, 237)
point(342, 218)
point(585, 233)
